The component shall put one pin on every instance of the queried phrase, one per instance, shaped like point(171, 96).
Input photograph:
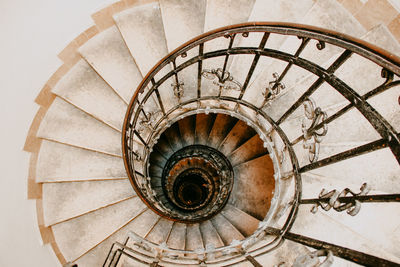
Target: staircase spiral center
point(196, 182)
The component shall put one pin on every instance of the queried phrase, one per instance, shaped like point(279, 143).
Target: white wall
point(32, 34)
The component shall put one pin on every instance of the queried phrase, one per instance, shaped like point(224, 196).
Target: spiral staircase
point(165, 140)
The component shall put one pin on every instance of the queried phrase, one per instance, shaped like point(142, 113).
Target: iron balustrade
point(137, 146)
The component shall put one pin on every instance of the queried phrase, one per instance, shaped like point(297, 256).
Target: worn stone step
point(85, 89)
point(61, 163)
point(83, 130)
point(108, 55)
point(62, 201)
point(77, 236)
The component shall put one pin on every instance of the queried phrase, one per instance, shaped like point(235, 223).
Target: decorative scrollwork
point(224, 79)
point(273, 89)
point(312, 259)
point(352, 207)
point(147, 121)
point(311, 136)
point(178, 89)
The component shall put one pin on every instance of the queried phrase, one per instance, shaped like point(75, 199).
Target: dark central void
point(190, 189)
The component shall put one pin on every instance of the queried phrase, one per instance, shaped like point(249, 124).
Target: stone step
point(225, 229)
point(108, 55)
point(210, 235)
point(242, 221)
point(251, 149)
point(174, 12)
point(204, 124)
point(61, 163)
point(187, 128)
point(161, 231)
point(194, 240)
point(378, 174)
point(254, 200)
point(223, 124)
point(97, 255)
point(173, 135)
point(337, 19)
point(144, 21)
point(77, 236)
point(144, 223)
point(177, 237)
point(221, 13)
point(85, 89)
point(63, 201)
point(323, 226)
point(82, 131)
point(238, 135)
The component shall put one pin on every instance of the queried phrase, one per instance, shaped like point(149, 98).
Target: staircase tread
point(226, 230)
point(82, 87)
point(77, 236)
point(82, 131)
point(223, 124)
point(60, 163)
point(145, 21)
point(108, 54)
point(242, 221)
point(62, 201)
point(210, 235)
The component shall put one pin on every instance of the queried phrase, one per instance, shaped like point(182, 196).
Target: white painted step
point(62, 201)
point(84, 88)
point(144, 223)
point(143, 31)
point(177, 237)
point(108, 55)
point(83, 130)
point(210, 235)
point(226, 230)
point(77, 236)
point(242, 221)
point(58, 162)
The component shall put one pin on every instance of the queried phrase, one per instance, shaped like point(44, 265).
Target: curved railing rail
point(150, 113)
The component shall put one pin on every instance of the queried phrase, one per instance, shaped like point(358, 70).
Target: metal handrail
point(150, 87)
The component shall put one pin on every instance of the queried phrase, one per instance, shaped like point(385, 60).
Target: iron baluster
point(199, 69)
point(272, 90)
point(335, 65)
point(254, 64)
point(387, 84)
point(372, 146)
point(177, 86)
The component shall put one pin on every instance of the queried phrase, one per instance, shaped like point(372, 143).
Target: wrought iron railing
point(150, 113)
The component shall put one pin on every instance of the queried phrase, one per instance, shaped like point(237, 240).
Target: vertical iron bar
point(304, 42)
point(335, 65)
point(200, 69)
point(342, 111)
point(153, 82)
point(232, 38)
point(375, 145)
point(254, 64)
point(140, 138)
